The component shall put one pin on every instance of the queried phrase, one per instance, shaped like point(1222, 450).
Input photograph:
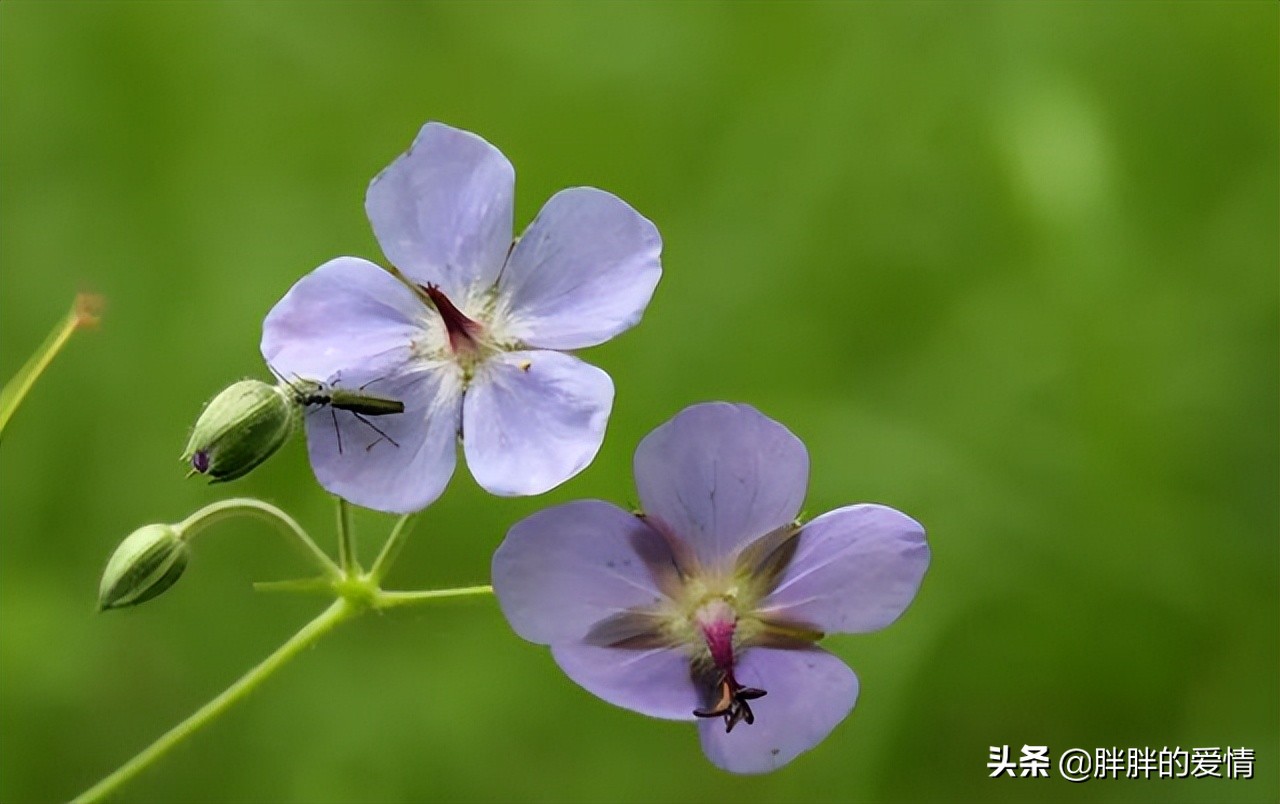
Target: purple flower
point(471, 340)
point(707, 605)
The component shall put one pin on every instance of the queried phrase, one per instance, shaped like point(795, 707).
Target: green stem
point(247, 506)
point(83, 314)
point(339, 611)
point(391, 548)
point(390, 600)
point(346, 540)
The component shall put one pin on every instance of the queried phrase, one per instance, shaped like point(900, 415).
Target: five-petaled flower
point(469, 333)
point(708, 603)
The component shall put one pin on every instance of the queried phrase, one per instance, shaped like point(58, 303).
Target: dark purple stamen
point(731, 702)
point(463, 332)
point(200, 461)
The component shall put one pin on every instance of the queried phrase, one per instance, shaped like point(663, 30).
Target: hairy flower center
point(464, 334)
point(716, 620)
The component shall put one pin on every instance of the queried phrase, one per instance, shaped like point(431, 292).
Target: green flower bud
point(242, 427)
point(145, 564)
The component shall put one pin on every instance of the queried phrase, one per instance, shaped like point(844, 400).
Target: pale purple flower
point(707, 605)
point(471, 341)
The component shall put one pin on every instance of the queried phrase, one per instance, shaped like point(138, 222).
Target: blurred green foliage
point(1011, 268)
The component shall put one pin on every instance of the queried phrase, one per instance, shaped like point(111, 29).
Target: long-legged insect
point(359, 403)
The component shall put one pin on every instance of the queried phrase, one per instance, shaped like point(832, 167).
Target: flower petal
point(720, 476)
point(346, 313)
point(582, 272)
point(442, 211)
point(532, 420)
point(564, 569)
point(855, 570)
point(654, 682)
point(405, 463)
point(809, 692)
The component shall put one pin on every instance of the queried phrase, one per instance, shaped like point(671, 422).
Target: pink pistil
point(718, 621)
point(464, 333)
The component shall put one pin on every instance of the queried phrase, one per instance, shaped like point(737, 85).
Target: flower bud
point(242, 427)
point(145, 564)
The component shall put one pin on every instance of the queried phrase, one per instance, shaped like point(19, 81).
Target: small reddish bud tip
point(200, 462)
point(88, 309)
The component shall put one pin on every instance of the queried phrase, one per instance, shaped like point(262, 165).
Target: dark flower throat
point(464, 333)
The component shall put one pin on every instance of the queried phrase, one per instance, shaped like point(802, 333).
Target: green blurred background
point(1011, 268)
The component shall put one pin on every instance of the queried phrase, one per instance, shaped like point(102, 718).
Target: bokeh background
point(1011, 268)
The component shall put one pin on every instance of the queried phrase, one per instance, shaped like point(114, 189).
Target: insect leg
point(376, 430)
point(337, 431)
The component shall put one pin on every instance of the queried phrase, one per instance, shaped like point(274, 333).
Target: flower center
point(464, 333)
point(716, 620)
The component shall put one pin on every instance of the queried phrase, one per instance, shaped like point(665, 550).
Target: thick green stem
point(339, 611)
point(247, 506)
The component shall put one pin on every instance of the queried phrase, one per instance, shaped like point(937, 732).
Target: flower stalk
point(358, 596)
point(346, 540)
point(391, 548)
point(85, 312)
point(247, 506)
point(338, 612)
point(353, 594)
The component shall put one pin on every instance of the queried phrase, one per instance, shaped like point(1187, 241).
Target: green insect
point(359, 403)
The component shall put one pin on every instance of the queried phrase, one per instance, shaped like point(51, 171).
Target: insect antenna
point(294, 385)
point(371, 382)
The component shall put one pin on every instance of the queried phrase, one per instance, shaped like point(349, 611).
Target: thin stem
point(247, 506)
point(391, 548)
point(346, 540)
point(390, 600)
point(321, 586)
point(339, 611)
point(84, 313)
